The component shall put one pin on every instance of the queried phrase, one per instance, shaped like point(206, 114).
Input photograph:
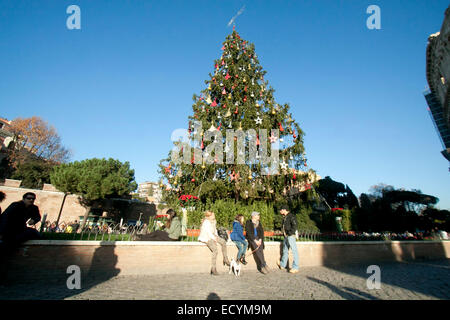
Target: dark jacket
point(289, 224)
point(238, 232)
point(250, 232)
point(13, 219)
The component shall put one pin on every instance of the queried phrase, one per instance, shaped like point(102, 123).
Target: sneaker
point(279, 265)
point(293, 271)
point(264, 270)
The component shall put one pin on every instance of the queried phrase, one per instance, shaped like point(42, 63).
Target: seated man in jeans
point(289, 229)
point(14, 220)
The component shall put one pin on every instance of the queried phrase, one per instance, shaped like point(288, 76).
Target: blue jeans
point(289, 242)
point(242, 246)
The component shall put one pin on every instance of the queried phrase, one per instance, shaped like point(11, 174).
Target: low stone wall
point(50, 258)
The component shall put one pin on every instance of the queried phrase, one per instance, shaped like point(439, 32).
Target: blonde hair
point(208, 214)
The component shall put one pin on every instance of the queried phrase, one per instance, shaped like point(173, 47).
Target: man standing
point(14, 221)
point(289, 228)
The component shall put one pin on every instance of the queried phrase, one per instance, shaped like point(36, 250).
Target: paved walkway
point(415, 280)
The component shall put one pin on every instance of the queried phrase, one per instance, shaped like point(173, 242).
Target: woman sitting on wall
point(209, 236)
point(172, 232)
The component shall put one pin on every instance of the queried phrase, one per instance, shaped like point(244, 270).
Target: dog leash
point(253, 251)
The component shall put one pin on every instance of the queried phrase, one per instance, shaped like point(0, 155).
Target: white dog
point(235, 267)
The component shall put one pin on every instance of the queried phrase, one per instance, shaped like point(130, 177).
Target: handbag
point(222, 232)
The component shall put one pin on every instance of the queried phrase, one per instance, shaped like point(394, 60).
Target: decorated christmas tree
point(240, 143)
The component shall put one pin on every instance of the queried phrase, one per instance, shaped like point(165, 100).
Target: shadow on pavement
point(348, 294)
point(430, 275)
point(213, 296)
point(20, 278)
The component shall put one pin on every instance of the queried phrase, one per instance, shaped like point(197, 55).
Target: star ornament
point(273, 139)
point(283, 165)
point(258, 120)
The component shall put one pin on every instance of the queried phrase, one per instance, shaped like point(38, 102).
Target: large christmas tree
point(236, 98)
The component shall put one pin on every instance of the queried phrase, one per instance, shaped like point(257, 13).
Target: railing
point(125, 232)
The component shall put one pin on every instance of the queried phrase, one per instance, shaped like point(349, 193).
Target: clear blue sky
point(119, 86)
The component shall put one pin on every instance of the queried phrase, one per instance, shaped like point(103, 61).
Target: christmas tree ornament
point(290, 156)
point(244, 80)
point(193, 180)
point(281, 139)
point(273, 111)
point(258, 120)
point(212, 128)
point(228, 113)
point(229, 96)
point(214, 103)
point(227, 77)
point(221, 84)
point(257, 143)
point(252, 95)
point(219, 116)
point(245, 98)
point(273, 139)
point(224, 91)
point(209, 87)
point(283, 165)
point(230, 126)
point(236, 111)
point(281, 128)
point(257, 105)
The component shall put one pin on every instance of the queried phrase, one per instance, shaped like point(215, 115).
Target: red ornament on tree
point(214, 103)
point(281, 128)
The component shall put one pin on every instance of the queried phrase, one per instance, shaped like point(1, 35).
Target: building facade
point(438, 77)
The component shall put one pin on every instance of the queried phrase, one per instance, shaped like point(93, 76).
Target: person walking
point(209, 236)
point(237, 236)
point(289, 227)
point(255, 236)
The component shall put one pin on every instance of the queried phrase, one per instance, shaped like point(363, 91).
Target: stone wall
point(49, 201)
point(47, 258)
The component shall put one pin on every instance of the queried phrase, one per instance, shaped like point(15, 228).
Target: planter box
point(193, 232)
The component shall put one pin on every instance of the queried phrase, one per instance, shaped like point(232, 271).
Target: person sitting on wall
point(2, 197)
point(15, 219)
point(172, 232)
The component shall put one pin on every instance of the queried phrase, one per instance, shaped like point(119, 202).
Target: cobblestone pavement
point(413, 280)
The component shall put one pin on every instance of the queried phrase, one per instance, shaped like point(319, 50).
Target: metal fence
point(132, 232)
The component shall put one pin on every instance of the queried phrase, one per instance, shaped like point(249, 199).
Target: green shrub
point(226, 211)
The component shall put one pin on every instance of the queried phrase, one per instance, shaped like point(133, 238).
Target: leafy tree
point(94, 179)
point(35, 137)
point(237, 97)
point(33, 173)
point(336, 193)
